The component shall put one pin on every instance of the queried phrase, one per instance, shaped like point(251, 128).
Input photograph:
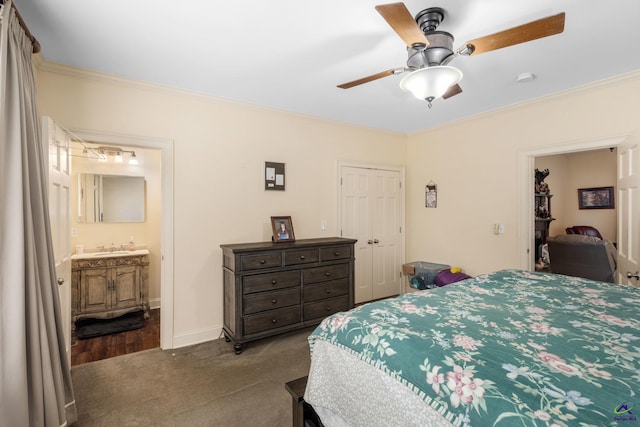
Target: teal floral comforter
point(511, 348)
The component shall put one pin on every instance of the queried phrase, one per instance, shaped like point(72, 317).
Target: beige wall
point(219, 152)
point(569, 172)
point(220, 148)
point(475, 164)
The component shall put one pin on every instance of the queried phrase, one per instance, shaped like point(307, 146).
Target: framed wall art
point(282, 228)
point(596, 198)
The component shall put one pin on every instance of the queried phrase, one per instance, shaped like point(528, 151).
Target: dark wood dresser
point(272, 288)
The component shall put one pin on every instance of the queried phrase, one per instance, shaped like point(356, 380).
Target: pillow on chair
point(585, 230)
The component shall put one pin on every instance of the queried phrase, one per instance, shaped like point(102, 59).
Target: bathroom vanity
point(272, 288)
point(109, 284)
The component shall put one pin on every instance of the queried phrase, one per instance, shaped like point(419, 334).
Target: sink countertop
point(109, 254)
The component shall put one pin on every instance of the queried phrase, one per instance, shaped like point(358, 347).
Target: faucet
point(113, 248)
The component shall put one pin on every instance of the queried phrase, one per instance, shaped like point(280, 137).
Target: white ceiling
point(291, 54)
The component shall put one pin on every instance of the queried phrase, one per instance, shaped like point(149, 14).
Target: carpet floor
point(202, 385)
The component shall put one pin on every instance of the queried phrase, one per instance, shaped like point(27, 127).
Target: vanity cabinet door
point(108, 287)
point(125, 286)
point(95, 295)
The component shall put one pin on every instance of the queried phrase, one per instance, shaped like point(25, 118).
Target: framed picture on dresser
point(282, 228)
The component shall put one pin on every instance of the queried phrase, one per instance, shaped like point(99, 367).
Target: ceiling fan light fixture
point(430, 83)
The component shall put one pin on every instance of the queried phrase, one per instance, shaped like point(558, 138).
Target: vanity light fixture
point(117, 153)
point(133, 160)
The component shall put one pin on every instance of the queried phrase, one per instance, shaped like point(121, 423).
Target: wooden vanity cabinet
point(107, 287)
point(272, 288)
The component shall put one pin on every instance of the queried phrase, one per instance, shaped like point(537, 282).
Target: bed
point(510, 348)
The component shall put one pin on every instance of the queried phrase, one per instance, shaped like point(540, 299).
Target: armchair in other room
point(585, 230)
point(583, 256)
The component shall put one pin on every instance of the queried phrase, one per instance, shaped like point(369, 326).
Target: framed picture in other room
point(596, 198)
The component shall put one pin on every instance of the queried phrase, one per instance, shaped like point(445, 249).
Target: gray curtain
point(35, 380)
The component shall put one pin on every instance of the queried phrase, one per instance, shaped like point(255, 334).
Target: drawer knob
point(262, 261)
point(327, 274)
point(328, 308)
point(273, 301)
point(301, 256)
point(328, 291)
point(274, 281)
point(337, 254)
point(274, 321)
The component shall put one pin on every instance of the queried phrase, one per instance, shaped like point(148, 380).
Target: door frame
point(166, 239)
point(376, 166)
point(526, 166)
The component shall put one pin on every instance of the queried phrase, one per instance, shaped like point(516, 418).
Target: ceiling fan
point(430, 51)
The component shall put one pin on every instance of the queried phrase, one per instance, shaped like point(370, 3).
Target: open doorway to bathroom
point(152, 161)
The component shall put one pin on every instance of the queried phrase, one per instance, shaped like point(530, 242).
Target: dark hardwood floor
point(98, 348)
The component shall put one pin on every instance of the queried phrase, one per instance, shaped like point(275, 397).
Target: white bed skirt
point(345, 391)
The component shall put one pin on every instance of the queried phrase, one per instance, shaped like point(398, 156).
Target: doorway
point(165, 148)
point(527, 163)
point(567, 173)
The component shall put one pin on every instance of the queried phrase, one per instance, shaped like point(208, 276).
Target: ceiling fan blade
point(369, 78)
point(523, 33)
point(452, 91)
point(398, 17)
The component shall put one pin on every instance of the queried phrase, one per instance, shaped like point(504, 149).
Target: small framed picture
point(431, 195)
point(595, 198)
point(282, 229)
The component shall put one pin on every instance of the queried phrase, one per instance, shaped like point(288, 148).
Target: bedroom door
point(371, 212)
point(56, 144)
point(628, 213)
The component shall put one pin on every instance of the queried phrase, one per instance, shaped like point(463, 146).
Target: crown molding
point(83, 73)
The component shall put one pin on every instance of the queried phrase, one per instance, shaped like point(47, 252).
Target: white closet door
point(385, 223)
point(370, 213)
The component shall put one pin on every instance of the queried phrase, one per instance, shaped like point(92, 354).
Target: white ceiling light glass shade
point(430, 83)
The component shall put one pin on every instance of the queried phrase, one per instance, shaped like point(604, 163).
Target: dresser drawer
point(270, 281)
point(271, 319)
point(335, 252)
point(324, 308)
point(322, 274)
point(301, 256)
point(261, 260)
point(254, 303)
point(325, 290)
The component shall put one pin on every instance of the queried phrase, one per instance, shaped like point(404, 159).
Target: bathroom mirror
point(110, 198)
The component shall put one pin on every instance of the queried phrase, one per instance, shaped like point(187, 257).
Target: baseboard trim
point(196, 337)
